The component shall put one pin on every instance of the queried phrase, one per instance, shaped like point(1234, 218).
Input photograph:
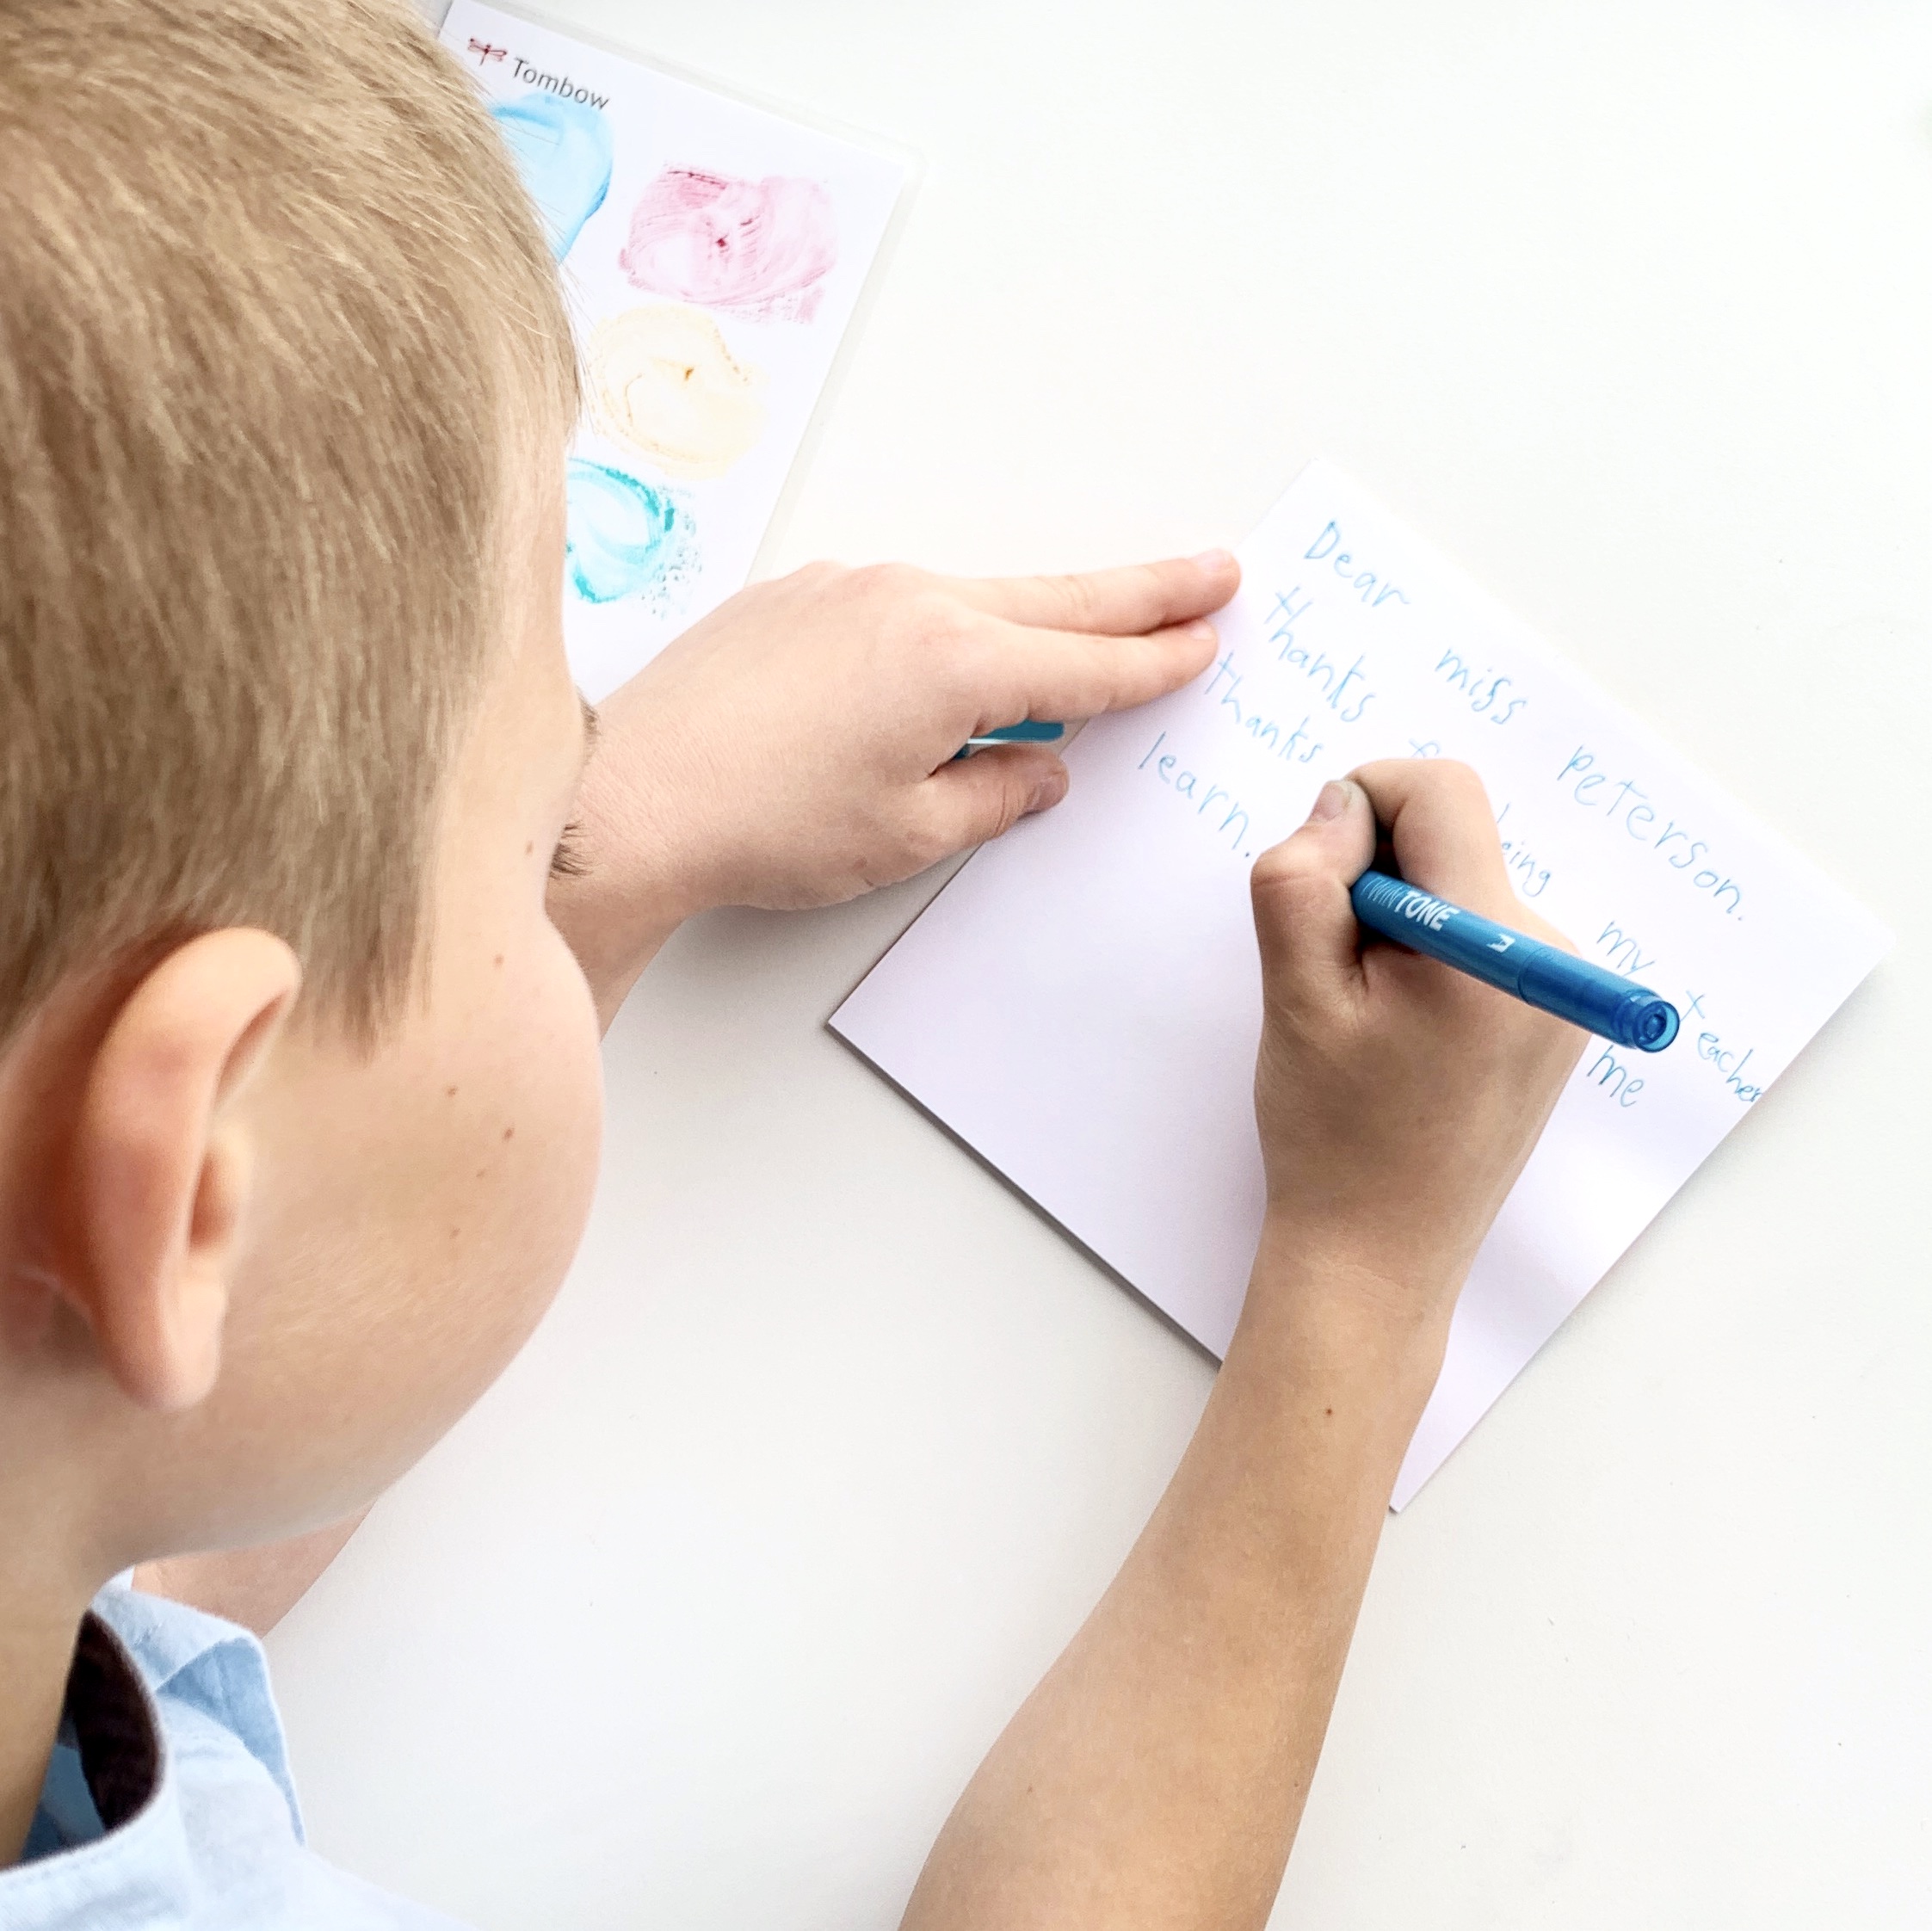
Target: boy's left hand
point(796, 747)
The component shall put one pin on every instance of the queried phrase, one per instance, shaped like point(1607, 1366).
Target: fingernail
point(1330, 802)
point(1201, 630)
point(1048, 792)
point(1213, 561)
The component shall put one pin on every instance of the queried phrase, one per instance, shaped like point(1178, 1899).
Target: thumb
point(975, 799)
point(1303, 920)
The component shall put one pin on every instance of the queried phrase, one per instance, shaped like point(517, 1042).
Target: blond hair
point(276, 322)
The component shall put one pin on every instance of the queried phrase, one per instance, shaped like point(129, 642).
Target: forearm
point(1157, 1775)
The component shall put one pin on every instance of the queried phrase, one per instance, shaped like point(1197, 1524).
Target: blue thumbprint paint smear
point(563, 151)
point(626, 538)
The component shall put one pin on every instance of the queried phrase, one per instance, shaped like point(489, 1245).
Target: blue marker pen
point(1026, 732)
point(1540, 975)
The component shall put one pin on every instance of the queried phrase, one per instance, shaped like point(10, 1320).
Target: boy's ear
point(158, 1173)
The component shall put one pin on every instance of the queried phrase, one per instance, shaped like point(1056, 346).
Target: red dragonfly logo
point(484, 51)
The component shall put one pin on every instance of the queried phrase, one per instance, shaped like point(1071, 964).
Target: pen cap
point(1646, 1021)
point(1585, 994)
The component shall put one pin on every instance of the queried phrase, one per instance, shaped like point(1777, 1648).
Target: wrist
point(612, 951)
point(615, 914)
point(1371, 1311)
point(630, 881)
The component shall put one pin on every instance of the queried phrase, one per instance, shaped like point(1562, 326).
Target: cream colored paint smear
point(662, 381)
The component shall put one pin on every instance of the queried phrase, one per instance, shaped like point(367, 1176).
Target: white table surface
point(705, 1615)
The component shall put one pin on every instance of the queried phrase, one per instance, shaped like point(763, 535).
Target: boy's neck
point(40, 1618)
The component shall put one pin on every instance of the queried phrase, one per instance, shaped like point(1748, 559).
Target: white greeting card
point(1081, 1005)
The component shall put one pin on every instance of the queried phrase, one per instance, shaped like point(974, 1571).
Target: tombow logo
point(485, 53)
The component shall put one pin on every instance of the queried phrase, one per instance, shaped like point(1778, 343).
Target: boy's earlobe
point(159, 1172)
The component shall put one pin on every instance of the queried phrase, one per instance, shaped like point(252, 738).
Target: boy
point(313, 905)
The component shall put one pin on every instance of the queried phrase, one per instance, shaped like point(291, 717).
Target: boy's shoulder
point(168, 1801)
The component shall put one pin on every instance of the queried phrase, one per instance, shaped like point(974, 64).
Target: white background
point(706, 1614)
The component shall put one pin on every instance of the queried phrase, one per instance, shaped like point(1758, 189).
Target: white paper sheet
point(713, 253)
point(1081, 1005)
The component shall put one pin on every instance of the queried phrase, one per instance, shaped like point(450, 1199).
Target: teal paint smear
point(563, 151)
point(625, 537)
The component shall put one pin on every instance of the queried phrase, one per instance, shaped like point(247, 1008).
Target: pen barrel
point(1540, 975)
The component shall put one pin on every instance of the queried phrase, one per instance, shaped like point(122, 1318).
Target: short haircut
point(277, 325)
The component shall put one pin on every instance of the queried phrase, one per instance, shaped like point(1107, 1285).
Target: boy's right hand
point(1398, 1099)
point(795, 747)
point(1158, 1774)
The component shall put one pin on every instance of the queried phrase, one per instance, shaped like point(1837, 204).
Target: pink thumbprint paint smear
point(758, 249)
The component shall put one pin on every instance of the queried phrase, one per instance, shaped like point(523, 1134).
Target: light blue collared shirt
point(167, 1804)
